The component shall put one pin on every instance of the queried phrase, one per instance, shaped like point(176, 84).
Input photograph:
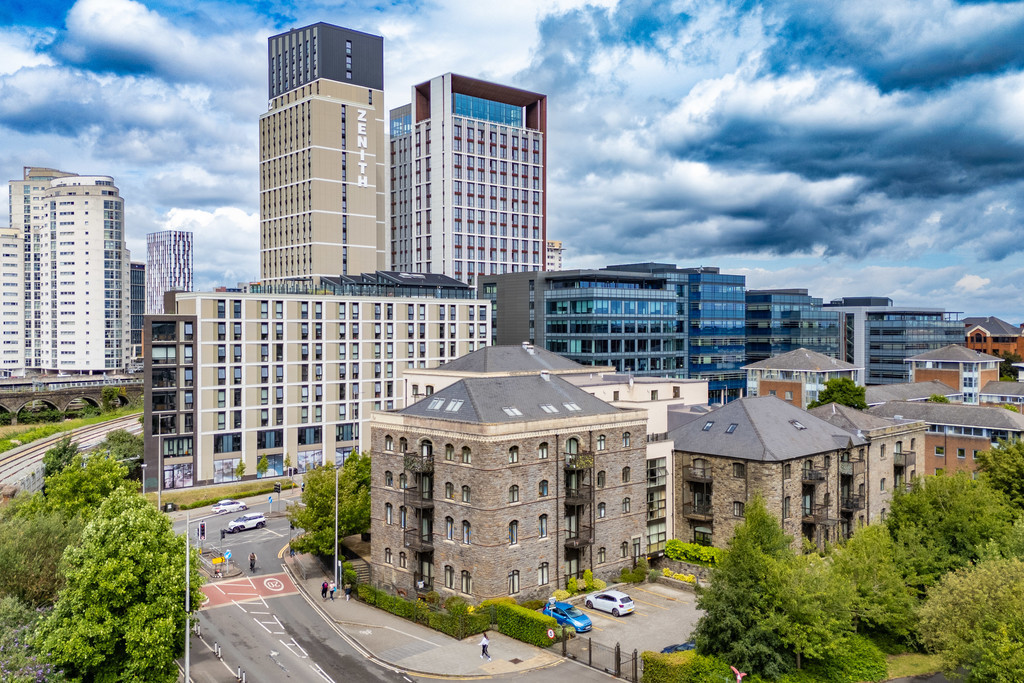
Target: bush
point(522, 624)
point(636, 575)
point(348, 574)
point(269, 488)
point(588, 580)
point(433, 598)
point(692, 552)
point(571, 587)
point(533, 604)
point(666, 572)
point(458, 621)
point(683, 667)
point(855, 659)
point(599, 585)
point(560, 595)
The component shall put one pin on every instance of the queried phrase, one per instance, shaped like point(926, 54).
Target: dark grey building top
point(520, 398)
point(763, 428)
point(851, 419)
point(1003, 389)
point(801, 360)
point(993, 325)
point(908, 391)
point(513, 358)
point(952, 414)
point(321, 50)
point(954, 353)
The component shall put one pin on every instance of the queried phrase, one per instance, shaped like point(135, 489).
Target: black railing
point(580, 537)
point(691, 473)
point(853, 502)
point(579, 461)
point(697, 510)
point(904, 459)
point(817, 514)
point(419, 541)
point(812, 476)
point(579, 495)
point(419, 462)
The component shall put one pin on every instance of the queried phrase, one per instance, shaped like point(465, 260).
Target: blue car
point(681, 647)
point(566, 614)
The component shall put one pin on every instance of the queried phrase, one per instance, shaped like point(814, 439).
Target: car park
point(229, 505)
point(568, 615)
point(615, 602)
point(253, 520)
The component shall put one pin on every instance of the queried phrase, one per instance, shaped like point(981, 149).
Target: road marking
point(652, 604)
point(295, 646)
point(275, 622)
point(273, 584)
point(321, 673)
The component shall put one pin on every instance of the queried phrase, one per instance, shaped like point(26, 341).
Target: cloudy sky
point(850, 148)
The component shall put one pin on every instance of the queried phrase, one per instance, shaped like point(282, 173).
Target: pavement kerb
point(369, 654)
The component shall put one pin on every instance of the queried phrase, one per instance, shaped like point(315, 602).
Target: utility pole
point(188, 591)
point(336, 467)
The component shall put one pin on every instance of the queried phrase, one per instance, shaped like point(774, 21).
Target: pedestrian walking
point(333, 588)
point(323, 590)
point(484, 642)
point(252, 562)
point(348, 592)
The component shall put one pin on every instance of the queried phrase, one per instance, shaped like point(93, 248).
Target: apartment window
point(626, 439)
point(738, 508)
point(542, 488)
point(543, 574)
point(389, 443)
point(625, 505)
point(513, 455)
point(881, 484)
point(625, 475)
point(785, 507)
point(787, 471)
point(513, 494)
point(467, 533)
point(467, 455)
point(542, 451)
point(572, 446)
point(467, 582)
point(389, 478)
point(961, 453)
point(513, 582)
point(940, 451)
point(466, 494)
point(601, 510)
point(542, 526)
point(601, 442)
point(403, 516)
point(449, 528)
point(388, 512)
point(624, 549)
point(600, 479)
point(513, 532)
point(449, 577)
point(449, 490)
point(401, 560)
point(387, 556)
point(402, 481)
point(739, 469)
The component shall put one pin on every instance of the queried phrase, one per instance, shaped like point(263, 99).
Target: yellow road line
point(651, 604)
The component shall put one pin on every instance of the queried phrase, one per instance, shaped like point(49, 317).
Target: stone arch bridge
point(61, 395)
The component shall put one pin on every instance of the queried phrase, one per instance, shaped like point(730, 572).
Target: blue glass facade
point(487, 110)
point(783, 320)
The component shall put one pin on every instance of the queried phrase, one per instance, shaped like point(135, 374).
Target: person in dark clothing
point(252, 562)
point(323, 590)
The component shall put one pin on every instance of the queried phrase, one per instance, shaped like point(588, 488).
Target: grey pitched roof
point(802, 360)
point(907, 391)
point(1003, 388)
point(954, 353)
point(515, 398)
point(952, 414)
point(767, 429)
point(513, 358)
point(850, 419)
point(993, 325)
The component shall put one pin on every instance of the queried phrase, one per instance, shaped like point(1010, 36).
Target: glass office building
point(784, 320)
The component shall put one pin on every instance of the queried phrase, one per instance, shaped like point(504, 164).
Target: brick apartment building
point(798, 376)
point(993, 336)
point(957, 366)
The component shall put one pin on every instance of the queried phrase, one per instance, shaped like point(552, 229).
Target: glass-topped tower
point(468, 169)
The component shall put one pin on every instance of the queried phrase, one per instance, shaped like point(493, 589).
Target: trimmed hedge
point(856, 659)
point(458, 622)
point(525, 625)
point(285, 485)
point(683, 667)
point(692, 552)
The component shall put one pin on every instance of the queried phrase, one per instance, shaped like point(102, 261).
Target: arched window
point(626, 439)
point(542, 451)
point(449, 528)
point(466, 498)
point(467, 582)
point(513, 582)
point(389, 478)
point(624, 549)
point(389, 443)
point(602, 555)
point(542, 526)
point(467, 533)
point(625, 475)
point(513, 454)
point(572, 446)
point(601, 510)
point(467, 455)
point(402, 481)
point(449, 577)
point(387, 556)
point(601, 442)
point(513, 532)
point(449, 490)
point(401, 560)
point(625, 504)
point(403, 444)
point(426, 448)
point(513, 494)
point(403, 516)
point(388, 513)
point(542, 488)
point(600, 479)
point(449, 452)
point(542, 574)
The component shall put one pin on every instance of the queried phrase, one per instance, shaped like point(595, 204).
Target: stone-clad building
point(503, 486)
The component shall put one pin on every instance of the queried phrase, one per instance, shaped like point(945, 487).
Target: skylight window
point(512, 411)
point(707, 425)
point(548, 408)
point(436, 404)
point(797, 424)
point(572, 407)
point(454, 405)
point(731, 428)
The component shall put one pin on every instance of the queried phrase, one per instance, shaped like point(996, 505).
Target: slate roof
point(954, 353)
point(513, 358)
point(907, 391)
point(1003, 388)
point(952, 414)
point(993, 325)
point(803, 360)
point(515, 398)
point(851, 419)
point(767, 429)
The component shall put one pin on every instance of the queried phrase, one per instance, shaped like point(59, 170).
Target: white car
point(616, 602)
point(229, 506)
point(253, 520)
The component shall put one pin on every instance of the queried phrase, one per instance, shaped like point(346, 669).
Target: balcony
point(691, 473)
point(851, 503)
point(424, 582)
point(817, 514)
point(418, 540)
point(419, 462)
point(579, 461)
point(699, 511)
point(812, 476)
point(904, 459)
point(579, 538)
point(424, 500)
point(579, 495)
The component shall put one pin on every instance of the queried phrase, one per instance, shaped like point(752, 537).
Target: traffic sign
point(551, 633)
point(227, 554)
point(270, 499)
point(217, 560)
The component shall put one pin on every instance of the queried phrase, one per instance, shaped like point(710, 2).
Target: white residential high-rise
point(168, 266)
point(468, 196)
point(554, 253)
point(76, 271)
point(12, 302)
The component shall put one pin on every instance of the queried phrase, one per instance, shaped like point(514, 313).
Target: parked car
point(229, 506)
point(616, 602)
point(681, 647)
point(566, 614)
point(253, 520)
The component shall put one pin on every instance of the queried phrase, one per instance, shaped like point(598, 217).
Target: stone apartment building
point(819, 478)
point(503, 486)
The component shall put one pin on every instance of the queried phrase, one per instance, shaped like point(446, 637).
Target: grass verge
point(208, 495)
point(41, 431)
point(913, 664)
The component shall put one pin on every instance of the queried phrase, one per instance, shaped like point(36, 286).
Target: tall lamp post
point(143, 466)
point(336, 469)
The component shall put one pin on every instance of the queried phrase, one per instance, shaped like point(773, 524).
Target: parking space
point(662, 616)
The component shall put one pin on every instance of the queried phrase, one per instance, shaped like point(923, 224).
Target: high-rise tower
point(468, 161)
point(168, 266)
point(323, 163)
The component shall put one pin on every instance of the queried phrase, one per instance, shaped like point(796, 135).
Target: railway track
point(15, 462)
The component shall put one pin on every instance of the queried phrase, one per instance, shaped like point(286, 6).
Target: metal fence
point(610, 659)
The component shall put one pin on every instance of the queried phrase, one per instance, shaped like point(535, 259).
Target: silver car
point(253, 520)
point(616, 602)
point(228, 505)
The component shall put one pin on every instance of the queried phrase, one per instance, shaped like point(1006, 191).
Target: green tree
point(125, 447)
point(880, 602)
point(841, 390)
point(287, 462)
point(58, 457)
point(109, 397)
point(82, 486)
point(262, 465)
point(316, 517)
point(354, 495)
point(1007, 372)
point(1002, 468)
point(121, 614)
point(975, 619)
point(240, 469)
point(937, 398)
point(31, 546)
point(744, 594)
point(943, 523)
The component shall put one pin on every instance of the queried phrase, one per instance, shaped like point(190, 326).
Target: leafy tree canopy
point(1007, 372)
point(58, 457)
point(317, 516)
point(82, 486)
point(31, 546)
point(20, 658)
point(841, 390)
point(124, 446)
point(1002, 468)
point(938, 398)
point(121, 614)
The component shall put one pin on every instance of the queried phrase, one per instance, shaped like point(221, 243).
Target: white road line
point(321, 673)
point(295, 646)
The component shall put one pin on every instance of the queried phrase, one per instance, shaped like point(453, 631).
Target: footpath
point(408, 646)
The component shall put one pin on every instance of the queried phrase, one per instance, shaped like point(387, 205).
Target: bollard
point(618, 663)
point(243, 677)
point(238, 676)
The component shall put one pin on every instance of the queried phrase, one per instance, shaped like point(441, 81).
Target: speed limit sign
point(551, 633)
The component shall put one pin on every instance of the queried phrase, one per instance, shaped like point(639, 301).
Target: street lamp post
point(143, 466)
point(188, 590)
point(336, 468)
